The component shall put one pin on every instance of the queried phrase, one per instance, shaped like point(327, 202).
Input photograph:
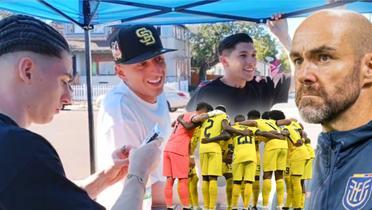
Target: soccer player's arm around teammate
point(286, 122)
point(269, 135)
point(285, 132)
point(300, 129)
point(231, 130)
point(224, 136)
point(204, 116)
point(283, 122)
point(298, 143)
point(252, 123)
point(185, 124)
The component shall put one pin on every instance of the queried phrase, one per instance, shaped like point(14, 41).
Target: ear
point(26, 69)
point(224, 60)
point(366, 69)
point(120, 72)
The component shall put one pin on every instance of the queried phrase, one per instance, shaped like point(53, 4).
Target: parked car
point(176, 99)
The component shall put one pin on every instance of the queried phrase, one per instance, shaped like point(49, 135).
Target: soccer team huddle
point(229, 147)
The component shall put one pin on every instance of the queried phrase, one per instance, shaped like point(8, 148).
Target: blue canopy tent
point(87, 13)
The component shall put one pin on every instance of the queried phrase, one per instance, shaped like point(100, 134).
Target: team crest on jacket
point(358, 191)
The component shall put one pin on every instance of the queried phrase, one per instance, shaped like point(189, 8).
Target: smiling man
point(239, 89)
point(332, 55)
point(130, 111)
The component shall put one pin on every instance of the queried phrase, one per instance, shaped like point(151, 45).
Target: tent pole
point(86, 9)
point(88, 59)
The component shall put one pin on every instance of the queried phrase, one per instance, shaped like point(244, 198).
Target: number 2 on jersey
point(206, 133)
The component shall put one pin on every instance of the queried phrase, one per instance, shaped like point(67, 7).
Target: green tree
point(205, 42)
point(284, 60)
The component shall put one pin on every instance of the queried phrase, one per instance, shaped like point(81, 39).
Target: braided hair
point(25, 33)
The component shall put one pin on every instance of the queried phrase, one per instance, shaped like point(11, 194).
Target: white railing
point(80, 91)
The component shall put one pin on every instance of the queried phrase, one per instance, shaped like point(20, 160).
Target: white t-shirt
point(126, 119)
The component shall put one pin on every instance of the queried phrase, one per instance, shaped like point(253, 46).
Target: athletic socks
point(266, 189)
point(297, 191)
point(280, 191)
point(229, 188)
point(235, 195)
point(247, 194)
point(205, 191)
point(193, 190)
point(213, 190)
point(303, 200)
point(288, 187)
point(256, 192)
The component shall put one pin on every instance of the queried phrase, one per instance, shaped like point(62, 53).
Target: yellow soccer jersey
point(192, 171)
point(258, 152)
point(226, 167)
point(244, 146)
point(225, 146)
point(210, 128)
point(260, 139)
point(194, 140)
point(270, 125)
point(311, 151)
point(296, 125)
point(297, 153)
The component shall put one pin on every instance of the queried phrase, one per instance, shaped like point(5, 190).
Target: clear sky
point(293, 23)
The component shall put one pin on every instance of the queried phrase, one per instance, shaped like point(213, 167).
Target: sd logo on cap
point(136, 44)
point(146, 35)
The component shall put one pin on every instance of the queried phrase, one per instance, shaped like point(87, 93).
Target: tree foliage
point(205, 43)
point(284, 60)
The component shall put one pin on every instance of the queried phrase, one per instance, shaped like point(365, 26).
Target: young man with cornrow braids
point(36, 70)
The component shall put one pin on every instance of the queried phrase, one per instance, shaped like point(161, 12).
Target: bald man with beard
point(332, 55)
